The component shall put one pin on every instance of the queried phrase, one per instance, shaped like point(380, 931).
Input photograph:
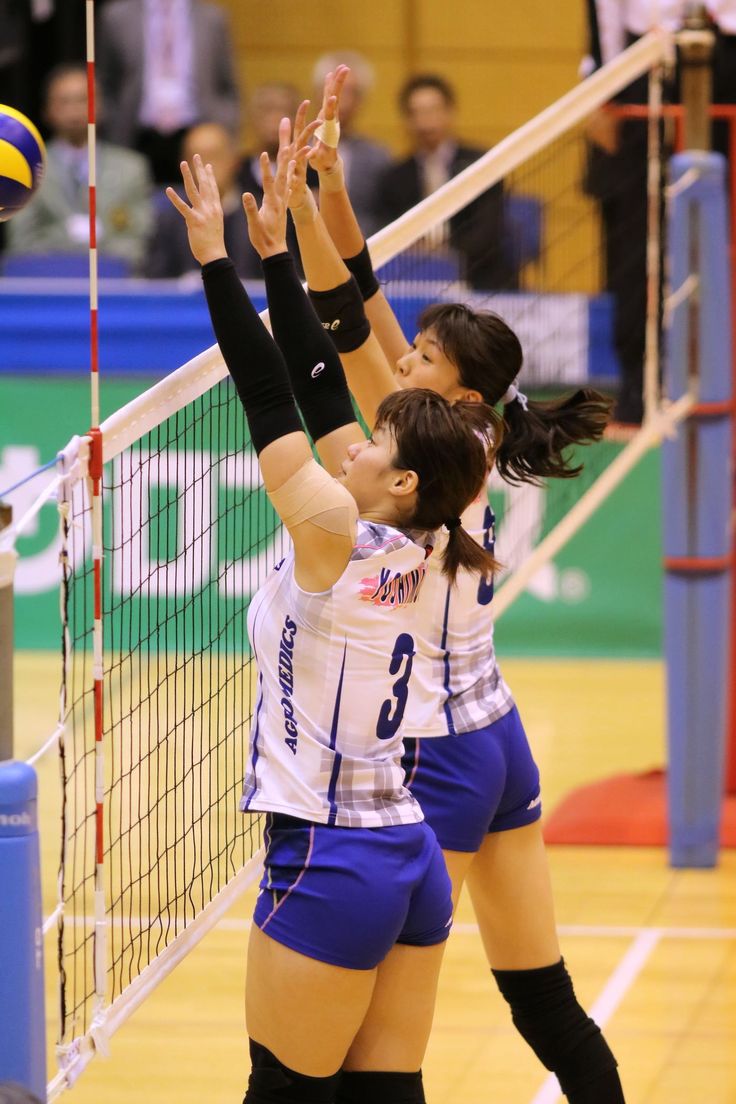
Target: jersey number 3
point(403, 655)
point(485, 589)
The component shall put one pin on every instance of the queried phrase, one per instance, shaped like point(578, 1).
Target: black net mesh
point(188, 536)
point(558, 249)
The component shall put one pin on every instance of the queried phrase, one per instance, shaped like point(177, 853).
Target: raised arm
point(336, 297)
point(342, 225)
point(319, 513)
point(315, 372)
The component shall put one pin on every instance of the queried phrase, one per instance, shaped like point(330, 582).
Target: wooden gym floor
point(652, 950)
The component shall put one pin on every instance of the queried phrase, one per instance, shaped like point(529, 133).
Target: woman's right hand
point(324, 157)
point(204, 219)
point(267, 225)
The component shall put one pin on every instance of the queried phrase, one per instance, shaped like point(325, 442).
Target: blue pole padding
point(696, 485)
point(697, 720)
point(23, 1033)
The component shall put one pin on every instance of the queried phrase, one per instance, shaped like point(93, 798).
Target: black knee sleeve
point(370, 1087)
point(546, 1013)
point(271, 1082)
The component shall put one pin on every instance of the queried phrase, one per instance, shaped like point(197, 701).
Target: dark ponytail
point(463, 551)
point(537, 436)
point(451, 447)
point(488, 357)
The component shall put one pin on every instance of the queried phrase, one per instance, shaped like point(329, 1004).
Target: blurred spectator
point(170, 255)
point(57, 219)
point(165, 65)
point(364, 161)
point(617, 173)
point(12, 1093)
point(723, 14)
point(427, 104)
point(13, 50)
point(36, 36)
point(267, 105)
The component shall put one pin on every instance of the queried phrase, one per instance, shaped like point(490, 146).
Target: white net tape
point(188, 534)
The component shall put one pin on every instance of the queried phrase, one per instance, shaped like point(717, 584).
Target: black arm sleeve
point(361, 267)
point(252, 357)
point(314, 367)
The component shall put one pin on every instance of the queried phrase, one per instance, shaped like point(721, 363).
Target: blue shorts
point(347, 895)
point(476, 783)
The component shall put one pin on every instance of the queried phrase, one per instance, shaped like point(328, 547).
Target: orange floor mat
point(625, 809)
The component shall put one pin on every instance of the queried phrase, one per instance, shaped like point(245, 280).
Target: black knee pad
point(271, 1082)
point(371, 1087)
point(547, 1015)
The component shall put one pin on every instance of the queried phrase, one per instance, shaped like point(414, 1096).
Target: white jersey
point(456, 684)
point(334, 669)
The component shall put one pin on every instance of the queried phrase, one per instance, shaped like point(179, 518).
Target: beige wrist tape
point(311, 494)
point(334, 179)
point(307, 209)
point(328, 132)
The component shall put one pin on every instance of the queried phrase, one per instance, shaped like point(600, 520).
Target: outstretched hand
point(204, 218)
point(267, 226)
point(323, 156)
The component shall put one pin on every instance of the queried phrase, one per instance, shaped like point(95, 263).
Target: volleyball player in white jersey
point(355, 901)
point(476, 780)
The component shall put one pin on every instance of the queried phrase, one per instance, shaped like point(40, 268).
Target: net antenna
point(155, 655)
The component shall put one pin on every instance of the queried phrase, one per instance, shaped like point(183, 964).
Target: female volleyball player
point(476, 781)
point(355, 901)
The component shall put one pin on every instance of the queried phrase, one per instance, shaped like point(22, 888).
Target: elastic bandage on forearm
point(361, 267)
point(312, 361)
point(253, 359)
point(311, 494)
point(341, 312)
point(333, 180)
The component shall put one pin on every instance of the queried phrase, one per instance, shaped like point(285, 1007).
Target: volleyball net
point(166, 531)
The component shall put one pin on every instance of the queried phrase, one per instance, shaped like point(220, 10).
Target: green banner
point(601, 596)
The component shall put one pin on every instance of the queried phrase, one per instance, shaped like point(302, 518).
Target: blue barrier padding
point(696, 649)
point(23, 1033)
point(696, 486)
point(152, 328)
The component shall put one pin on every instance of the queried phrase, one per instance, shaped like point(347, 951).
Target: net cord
point(517, 147)
point(74, 1058)
point(202, 372)
point(198, 375)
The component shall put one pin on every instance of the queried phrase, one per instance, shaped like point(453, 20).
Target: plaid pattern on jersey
point(326, 739)
point(457, 685)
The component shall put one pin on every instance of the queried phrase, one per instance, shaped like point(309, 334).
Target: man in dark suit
point(476, 233)
point(268, 104)
point(364, 161)
point(170, 255)
point(165, 65)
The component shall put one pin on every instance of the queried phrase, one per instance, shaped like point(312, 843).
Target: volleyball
point(22, 161)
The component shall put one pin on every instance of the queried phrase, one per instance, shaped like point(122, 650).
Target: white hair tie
point(328, 132)
point(513, 394)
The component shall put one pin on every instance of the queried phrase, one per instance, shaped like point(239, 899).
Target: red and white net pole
point(95, 471)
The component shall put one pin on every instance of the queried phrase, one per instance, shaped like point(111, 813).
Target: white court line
point(614, 991)
point(595, 931)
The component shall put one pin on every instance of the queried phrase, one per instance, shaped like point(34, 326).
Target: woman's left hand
point(204, 219)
